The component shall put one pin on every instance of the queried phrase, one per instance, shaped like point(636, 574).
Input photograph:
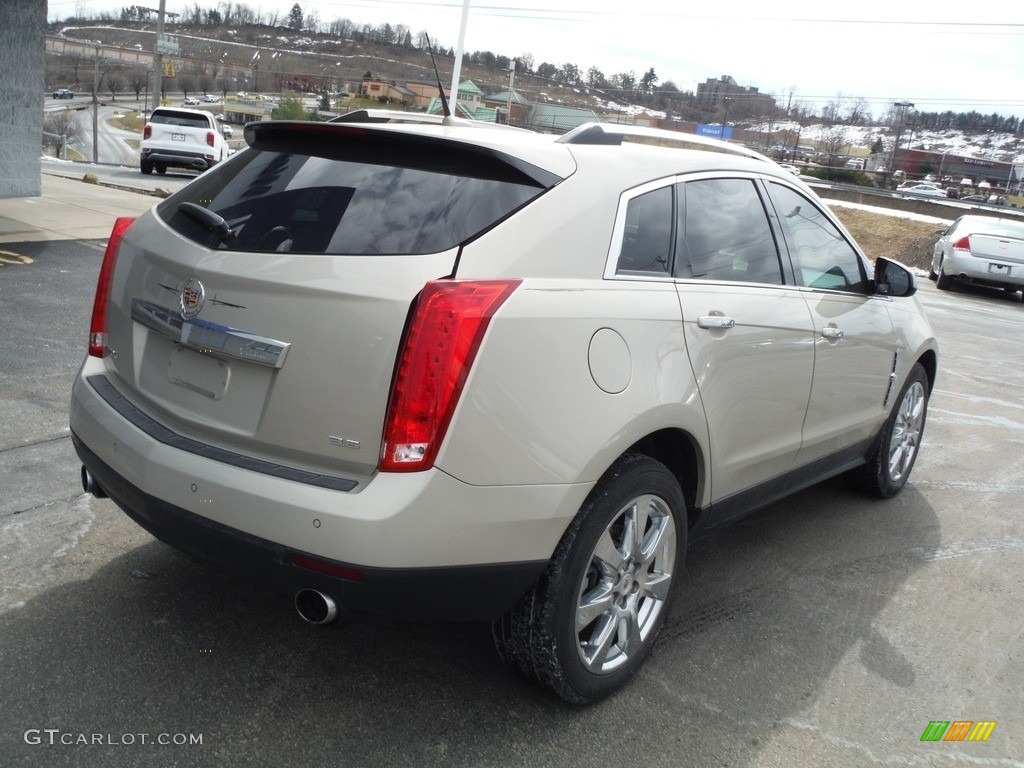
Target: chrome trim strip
point(204, 336)
point(162, 434)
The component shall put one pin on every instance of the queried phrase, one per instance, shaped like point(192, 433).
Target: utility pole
point(96, 107)
point(511, 80)
point(159, 49)
point(158, 56)
point(457, 72)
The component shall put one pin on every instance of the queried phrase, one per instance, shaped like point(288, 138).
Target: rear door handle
point(716, 321)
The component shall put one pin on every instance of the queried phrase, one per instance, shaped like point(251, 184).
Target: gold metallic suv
point(437, 371)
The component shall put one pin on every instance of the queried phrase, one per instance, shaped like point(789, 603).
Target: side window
point(821, 255)
point(647, 238)
point(724, 233)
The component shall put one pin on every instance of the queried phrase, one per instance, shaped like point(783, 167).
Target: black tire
point(943, 281)
point(591, 619)
point(146, 167)
point(890, 465)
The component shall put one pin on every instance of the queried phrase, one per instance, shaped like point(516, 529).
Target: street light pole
point(725, 117)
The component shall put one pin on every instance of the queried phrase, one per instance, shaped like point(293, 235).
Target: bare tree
point(832, 143)
point(137, 81)
point(115, 83)
point(186, 82)
point(63, 123)
point(858, 113)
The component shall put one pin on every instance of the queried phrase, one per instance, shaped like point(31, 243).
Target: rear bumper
point(177, 159)
point(426, 545)
point(977, 270)
point(472, 592)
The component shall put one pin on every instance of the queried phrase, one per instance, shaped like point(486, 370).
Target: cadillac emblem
point(193, 296)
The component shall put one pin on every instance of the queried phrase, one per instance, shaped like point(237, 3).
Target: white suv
point(436, 371)
point(174, 137)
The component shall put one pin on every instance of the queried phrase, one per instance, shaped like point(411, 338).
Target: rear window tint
point(183, 119)
point(299, 203)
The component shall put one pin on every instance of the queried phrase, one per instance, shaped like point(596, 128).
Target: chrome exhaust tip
point(89, 484)
point(315, 607)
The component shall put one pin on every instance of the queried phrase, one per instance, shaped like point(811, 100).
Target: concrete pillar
point(22, 80)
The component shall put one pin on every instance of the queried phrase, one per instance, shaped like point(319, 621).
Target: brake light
point(963, 244)
point(448, 323)
point(98, 326)
point(210, 138)
point(147, 132)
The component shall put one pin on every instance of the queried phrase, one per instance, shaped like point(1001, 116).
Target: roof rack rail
point(616, 134)
point(371, 115)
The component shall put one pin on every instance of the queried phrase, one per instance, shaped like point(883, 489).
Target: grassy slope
point(904, 240)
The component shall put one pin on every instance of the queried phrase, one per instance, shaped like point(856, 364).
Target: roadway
point(829, 629)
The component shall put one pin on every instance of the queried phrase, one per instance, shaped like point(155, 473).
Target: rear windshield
point(299, 203)
point(185, 119)
point(994, 227)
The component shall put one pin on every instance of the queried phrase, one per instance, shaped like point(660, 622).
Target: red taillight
point(963, 244)
point(98, 326)
point(210, 138)
point(442, 339)
point(147, 131)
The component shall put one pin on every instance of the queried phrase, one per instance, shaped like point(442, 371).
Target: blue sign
point(714, 130)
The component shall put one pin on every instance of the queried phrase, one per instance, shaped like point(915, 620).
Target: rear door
point(748, 332)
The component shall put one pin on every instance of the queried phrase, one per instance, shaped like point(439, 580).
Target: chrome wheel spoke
point(657, 587)
point(630, 635)
point(595, 650)
point(607, 555)
point(595, 603)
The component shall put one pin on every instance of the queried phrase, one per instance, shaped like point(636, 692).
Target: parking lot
point(829, 629)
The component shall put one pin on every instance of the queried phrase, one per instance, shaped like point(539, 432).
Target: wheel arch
point(930, 362)
point(680, 452)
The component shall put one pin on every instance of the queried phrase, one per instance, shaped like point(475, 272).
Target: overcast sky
point(969, 57)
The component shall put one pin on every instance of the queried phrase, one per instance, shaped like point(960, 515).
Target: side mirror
point(893, 279)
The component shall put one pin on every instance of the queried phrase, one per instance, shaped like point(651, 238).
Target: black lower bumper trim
point(461, 593)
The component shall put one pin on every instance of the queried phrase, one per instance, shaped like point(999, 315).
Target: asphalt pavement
point(828, 629)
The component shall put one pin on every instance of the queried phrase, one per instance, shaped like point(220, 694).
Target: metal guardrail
point(910, 202)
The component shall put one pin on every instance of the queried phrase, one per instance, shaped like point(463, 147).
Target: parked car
point(795, 170)
point(190, 101)
point(63, 93)
point(442, 372)
point(929, 190)
point(209, 98)
point(175, 137)
point(974, 199)
point(980, 249)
